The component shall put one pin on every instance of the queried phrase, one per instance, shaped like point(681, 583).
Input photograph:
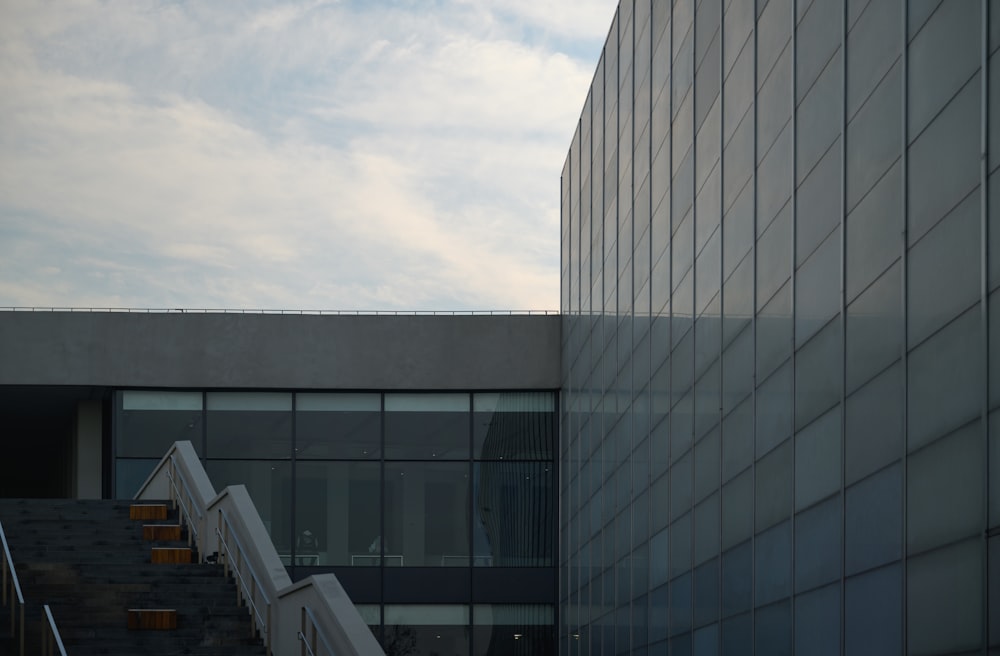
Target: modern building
point(781, 368)
point(766, 422)
point(412, 456)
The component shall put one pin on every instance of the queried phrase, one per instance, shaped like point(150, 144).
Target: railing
point(266, 311)
point(309, 638)
point(12, 593)
point(242, 544)
point(50, 635)
point(186, 503)
point(245, 591)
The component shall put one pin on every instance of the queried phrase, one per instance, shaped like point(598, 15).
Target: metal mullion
point(754, 326)
point(793, 126)
point(843, 330)
point(670, 296)
point(984, 307)
point(722, 287)
point(904, 264)
point(381, 515)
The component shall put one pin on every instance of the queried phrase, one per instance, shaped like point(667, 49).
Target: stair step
point(173, 555)
point(93, 564)
point(147, 511)
point(161, 532)
point(152, 619)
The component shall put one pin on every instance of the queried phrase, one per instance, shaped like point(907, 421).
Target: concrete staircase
point(118, 585)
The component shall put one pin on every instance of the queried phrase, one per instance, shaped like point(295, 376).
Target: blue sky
point(297, 155)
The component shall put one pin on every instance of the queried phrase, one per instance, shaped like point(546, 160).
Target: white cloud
point(308, 155)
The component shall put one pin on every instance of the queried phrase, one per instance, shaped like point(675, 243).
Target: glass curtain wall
point(369, 480)
point(780, 358)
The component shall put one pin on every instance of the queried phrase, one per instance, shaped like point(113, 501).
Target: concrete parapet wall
point(280, 351)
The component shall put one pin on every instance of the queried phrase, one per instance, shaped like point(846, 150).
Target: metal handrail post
point(302, 631)
point(267, 640)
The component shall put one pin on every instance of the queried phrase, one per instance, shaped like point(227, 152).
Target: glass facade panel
point(944, 591)
point(426, 629)
point(427, 426)
point(269, 484)
point(514, 425)
point(338, 426)
point(337, 514)
point(513, 514)
point(945, 492)
point(427, 514)
point(151, 421)
point(795, 419)
point(131, 473)
point(874, 418)
point(943, 380)
point(817, 545)
point(249, 424)
point(516, 629)
point(817, 460)
point(873, 612)
point(874, 523)
point(817, 622)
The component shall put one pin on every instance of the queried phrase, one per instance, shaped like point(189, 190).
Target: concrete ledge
point(280, 351)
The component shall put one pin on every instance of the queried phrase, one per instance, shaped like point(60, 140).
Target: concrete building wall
point(279, 351)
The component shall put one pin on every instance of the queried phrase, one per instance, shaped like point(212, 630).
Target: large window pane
point(130, 474)
point(344, 426)
point(337, 519)
point(514, 629)
point(514, 425)
point(249, 424)
point(426, 629)
point(427, 514)
point(151, 421)
point(270, 486)
point(427, 426)
point(514, 512)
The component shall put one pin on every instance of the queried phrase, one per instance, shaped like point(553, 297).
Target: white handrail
point(8, 565)
point(249, 592)
point(240, 540)
point(175, 496)
point(51, 638)
point(316, 633)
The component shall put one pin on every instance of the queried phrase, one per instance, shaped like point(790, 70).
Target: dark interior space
point(36, 439)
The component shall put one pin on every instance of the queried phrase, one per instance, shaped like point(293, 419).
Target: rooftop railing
point(455, 313)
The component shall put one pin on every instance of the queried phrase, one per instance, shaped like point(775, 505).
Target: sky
point(313, 155)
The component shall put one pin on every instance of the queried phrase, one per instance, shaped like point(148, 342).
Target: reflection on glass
point(514, 425)
point(130, 474)
point(270, 486)
point(514, 509)
point(426, 629)
point(337, 513)
point(249, 424)
point(338, 426)
point(426, 426)
point(513, 629)
point(151, 421)
point(426, 514)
